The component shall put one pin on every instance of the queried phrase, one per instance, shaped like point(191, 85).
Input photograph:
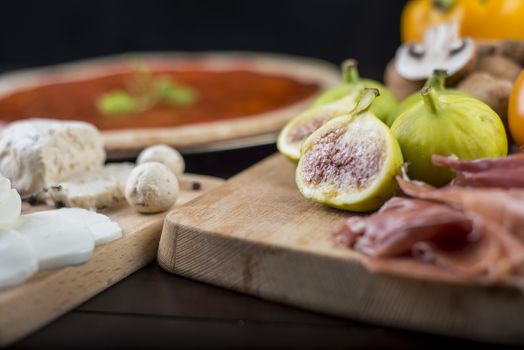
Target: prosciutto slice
point(472, 231)
point(423, 238)
point(400, 224)
point(506, 172)
point(502, 207)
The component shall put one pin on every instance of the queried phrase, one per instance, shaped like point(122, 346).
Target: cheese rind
point(36, 153)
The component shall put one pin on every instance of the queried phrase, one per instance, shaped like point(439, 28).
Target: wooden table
point(153, 308)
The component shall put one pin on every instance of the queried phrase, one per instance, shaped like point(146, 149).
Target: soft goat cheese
point(96, 189)
point(36, 153)
point(46, 239)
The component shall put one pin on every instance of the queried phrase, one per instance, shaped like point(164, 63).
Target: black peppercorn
point(32, 200)
point(196, 186)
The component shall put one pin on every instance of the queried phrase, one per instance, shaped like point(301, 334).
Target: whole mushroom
point(151, 188)
point(494, 92)
point(163, 154)
point(484, 69)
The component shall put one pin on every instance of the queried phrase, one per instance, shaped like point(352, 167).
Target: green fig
point(436, 81)
point(384, 104)
point(447, 124)
point(351, 161)
point(300, 127)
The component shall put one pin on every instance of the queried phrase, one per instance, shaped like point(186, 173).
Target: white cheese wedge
point(35, 153)
point(10, 204)
point(18, 259)
point(57, 240)
point(101, 227)
point(96, 189)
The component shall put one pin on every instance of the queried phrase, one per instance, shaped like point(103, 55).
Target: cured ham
point(400, 224)
point(506, 172)
point(472, 230)
point(503, 207)
point(412, 236)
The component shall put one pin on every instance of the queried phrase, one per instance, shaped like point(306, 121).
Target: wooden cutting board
point(256, 234)
point(50, 294)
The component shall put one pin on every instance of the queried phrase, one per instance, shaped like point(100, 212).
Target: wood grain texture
point(50, 294)
point(257, 235)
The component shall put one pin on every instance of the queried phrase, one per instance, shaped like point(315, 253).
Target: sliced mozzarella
point(57, 240)
point(5, 185)
point(105, 232)
point(10, 203)
point(18, 259)
point(101, 227)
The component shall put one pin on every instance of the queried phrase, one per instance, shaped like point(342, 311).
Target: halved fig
point(299, 128)
point(383, 105)
point(351, 161)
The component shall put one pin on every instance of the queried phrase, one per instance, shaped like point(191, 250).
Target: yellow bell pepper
point(481, 19)
point(516, 110)
point(501, 19)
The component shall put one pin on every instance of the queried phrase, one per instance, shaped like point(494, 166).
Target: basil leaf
point(117, 102)
point(174, 94)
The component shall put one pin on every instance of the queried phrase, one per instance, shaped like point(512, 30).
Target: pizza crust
point(130, 141)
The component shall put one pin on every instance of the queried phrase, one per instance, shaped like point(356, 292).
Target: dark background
point(46, 32)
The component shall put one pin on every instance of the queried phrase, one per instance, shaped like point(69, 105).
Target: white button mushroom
point(151, 188)
point(442, 48)
point(165, 155)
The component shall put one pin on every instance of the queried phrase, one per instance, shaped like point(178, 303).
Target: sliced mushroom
point(442, 49)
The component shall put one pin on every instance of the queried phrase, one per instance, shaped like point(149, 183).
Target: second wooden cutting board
point(49, 294)
point(256, 234)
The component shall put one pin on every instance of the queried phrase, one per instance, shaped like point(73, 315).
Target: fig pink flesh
point(347, 164)
point(302, 131)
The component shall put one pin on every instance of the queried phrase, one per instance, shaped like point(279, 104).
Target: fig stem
point(430, 97)
point(350, 71)
point(366, 98)
point(437, 80)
